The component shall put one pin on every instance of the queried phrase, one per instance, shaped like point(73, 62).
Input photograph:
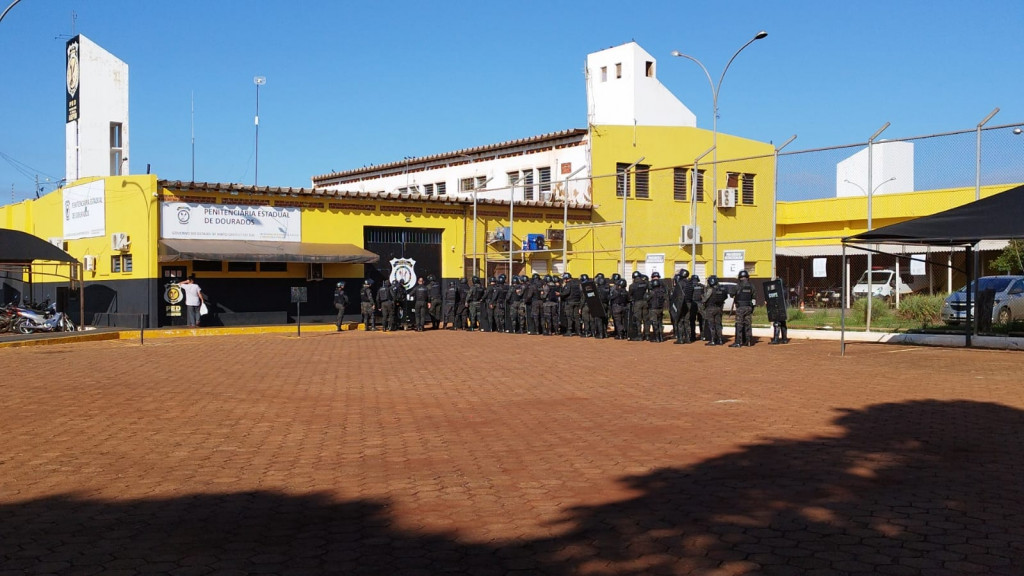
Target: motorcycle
point(29, 320)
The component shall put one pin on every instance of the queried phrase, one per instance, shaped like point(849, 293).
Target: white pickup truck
point(885, 283)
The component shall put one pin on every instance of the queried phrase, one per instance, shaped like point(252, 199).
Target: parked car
point(1008, 304)
point(885, 283)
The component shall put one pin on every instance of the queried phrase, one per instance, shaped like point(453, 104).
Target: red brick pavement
point(459, 453)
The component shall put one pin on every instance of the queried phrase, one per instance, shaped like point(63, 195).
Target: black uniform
point(697, 310)
point(385, 300)
point(618, 299)
point(476, 297)
point(340, 302)
point(744, 299)
point(366, 308)
point(534, 304)
point(517, 308)
point(434, 288)
point(398, 296)
point(714, 299)
point(421, 304)
point(684, 304)
point(499, 308)
point(550, 296)
point(601, 322)
point(657, 297)
point(451, 301)
point(638, 307)
point(462, 308)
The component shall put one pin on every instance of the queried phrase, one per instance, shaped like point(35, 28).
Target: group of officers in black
point(567, 306)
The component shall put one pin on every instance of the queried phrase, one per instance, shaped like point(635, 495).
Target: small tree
point(1011, 261)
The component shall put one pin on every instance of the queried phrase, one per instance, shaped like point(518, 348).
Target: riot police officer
point(367, 306)
point(638, 306)
point(656, 299)
point(399, 296)
point(571, 298)
point(585, 319)
point(476, 297)
point(499, 303)
point(517, 306)
point(386, 303)
point(451, 301)
point(714, 299)
point(421, 303)
point(340, 301)
point(744, 300)
point(603, 291)
point(684, 303)
point(487, 306)
point(618, 299)
point(462, 307)
point(434, 288)
point(549, 297)
point(697, 310)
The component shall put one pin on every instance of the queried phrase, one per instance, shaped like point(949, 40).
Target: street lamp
point(565, 216)
point(714, 142)
point(258, 81)
point(625, 194)
point(873, 190)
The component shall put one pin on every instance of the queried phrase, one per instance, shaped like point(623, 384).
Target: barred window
point(621, 180)
point(441, 188)
point(643, 181)
point(528, 191)
point(679, 184)
point(700, 186)
point(466, 185)
point(748, 189)
point(544, 175)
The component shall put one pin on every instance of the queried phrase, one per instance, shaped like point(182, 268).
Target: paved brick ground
point(441, 452)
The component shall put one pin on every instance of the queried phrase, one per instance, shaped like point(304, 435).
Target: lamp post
point(625, 194)
point(875, 189)
point(693, 208)
point(565, 216)
point(258, 81)
point(871, 145)
point(715, 89)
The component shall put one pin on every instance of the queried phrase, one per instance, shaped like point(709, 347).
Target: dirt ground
point(462, 453)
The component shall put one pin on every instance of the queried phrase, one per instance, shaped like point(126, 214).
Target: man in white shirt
point(193, 300)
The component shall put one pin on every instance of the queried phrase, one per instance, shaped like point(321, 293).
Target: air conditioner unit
point(89, 261)
point(498, 235)
point(689, 234)
point(555, 234)
point(120, 241)
point(315, 271)
point(727, 197)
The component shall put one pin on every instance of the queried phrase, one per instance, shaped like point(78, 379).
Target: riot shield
point(775, 300)
point(591, 300)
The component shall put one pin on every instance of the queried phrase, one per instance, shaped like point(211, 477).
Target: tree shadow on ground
point(922, 487)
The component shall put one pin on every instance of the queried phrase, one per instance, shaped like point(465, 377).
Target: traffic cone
point(801, 305)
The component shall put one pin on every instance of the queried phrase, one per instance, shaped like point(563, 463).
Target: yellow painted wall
point(653, 225)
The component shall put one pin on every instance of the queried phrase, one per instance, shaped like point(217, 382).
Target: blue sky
point(357, 83)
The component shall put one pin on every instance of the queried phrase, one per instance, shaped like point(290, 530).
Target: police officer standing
point(340, 301)
point(499, 304)
point(434, 287)
point(638, 306)
point(697, 310)
point(476, 297)
point(714, 299)
point(398, 296)
point(684, 304)
point(366, 306)
point(421, 303)
point(603, 291)
point(572, 298)
point(618, 299)
point(451, 301)
point(462, 307)
point(549, 296)
point(517, 306)
point(386, 302)
point(535, 303)
point(656, 299)
point(744, 300)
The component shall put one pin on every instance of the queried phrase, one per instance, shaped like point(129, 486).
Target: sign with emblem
point(173, 296)
point(84, 210)
point(403, 271)
point(74, 75)
point(230, 222)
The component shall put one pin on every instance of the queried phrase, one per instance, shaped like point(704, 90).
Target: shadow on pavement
point(925, 487)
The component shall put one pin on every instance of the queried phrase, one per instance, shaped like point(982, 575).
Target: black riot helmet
point(684, 274)
point(622, 283)
point(584, 277)
point(387, 283)
point(655, 275)
point(656, 282)
point(548, 278)
point(368, 282)
point(616, 277)
point(636, 274)
point(523, 279)
point(492, 280)
point(431, 278)
point(536, 275)
point(744, 274)
point(476, 279)
point(566, 276)
point(501, 278)
point(600, 280)
point(695, 279)
point(341, 284)
point(712, 280)
point(598, 275)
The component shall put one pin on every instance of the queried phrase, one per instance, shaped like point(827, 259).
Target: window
point(117, 158)
point(273, 266)
point(679, 184)
point(604, 73)
point(206, 266)
point(441, 188)
point(621, 180)
point(643, 181)
point(544, 175)
point(466, 185)
point(513, 178)
point(481, 182)
point(618, 70)
point(428, 189)
point(649, 70)
point(528, 189)
point(120, 263)
point(700, 186)
point(732, 180)
point(747, 193)
point(241, 266)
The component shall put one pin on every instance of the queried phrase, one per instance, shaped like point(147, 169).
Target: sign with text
point(732, 262)
point(917, 267)
point(84, 210)
point(655, 263)
point(230, 222)
point(819, 267)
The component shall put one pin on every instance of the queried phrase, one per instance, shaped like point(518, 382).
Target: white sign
point(733, 262)
point(224, 222)
point(655, 263)
point(917, 266)
point(819, 267)
point(84, 210)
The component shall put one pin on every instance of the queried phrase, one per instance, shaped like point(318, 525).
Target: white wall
point(496, 170)
point(103, 99)
point(635, 99)
point(888, 159)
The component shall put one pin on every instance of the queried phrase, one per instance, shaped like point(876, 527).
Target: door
point(420, 245)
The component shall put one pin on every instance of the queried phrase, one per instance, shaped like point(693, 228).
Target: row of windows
point(680, 189)
point(218, 266)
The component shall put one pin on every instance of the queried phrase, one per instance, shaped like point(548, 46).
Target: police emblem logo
point(403, 271)
point(173, 294)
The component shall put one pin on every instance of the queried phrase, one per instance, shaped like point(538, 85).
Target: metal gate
point(420, 244)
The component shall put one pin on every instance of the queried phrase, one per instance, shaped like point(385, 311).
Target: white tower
point(623, 90)
point(96, 133)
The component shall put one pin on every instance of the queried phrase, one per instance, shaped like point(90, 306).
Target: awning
point(806, 251)
point(176, 250)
